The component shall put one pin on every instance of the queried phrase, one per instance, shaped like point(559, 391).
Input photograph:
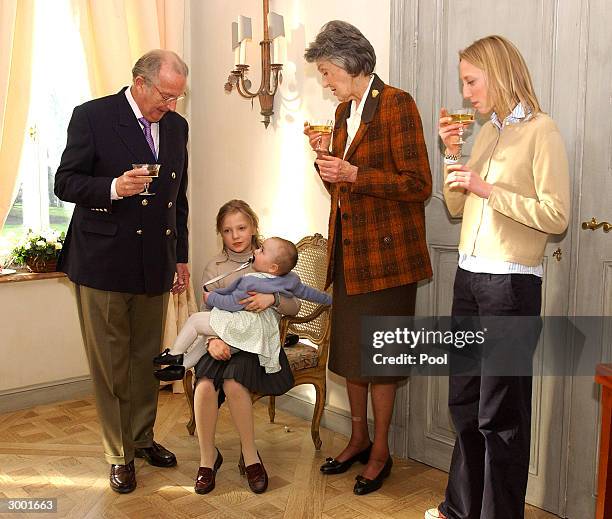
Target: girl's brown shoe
point(256, 475)
point(205, 480)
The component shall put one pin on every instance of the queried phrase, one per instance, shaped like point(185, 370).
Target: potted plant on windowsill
point(39, 251)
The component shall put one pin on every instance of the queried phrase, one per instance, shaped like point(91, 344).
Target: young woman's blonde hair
point(507, 75)
point(240, 206)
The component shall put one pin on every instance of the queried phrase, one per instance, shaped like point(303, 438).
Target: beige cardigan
point(527, 165)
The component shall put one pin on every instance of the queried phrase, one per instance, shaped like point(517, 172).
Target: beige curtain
point(180, 307)
point(16, 19)
point(116, 33)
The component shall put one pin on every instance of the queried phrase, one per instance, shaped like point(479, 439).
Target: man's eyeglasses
point(168, 99)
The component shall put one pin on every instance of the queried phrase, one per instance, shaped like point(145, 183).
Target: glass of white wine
point(464, 116)
point(325, 126)
point(152, 171)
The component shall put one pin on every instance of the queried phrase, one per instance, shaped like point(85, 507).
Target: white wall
point(40, 339)
point(233, 155)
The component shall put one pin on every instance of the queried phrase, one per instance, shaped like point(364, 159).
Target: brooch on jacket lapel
point(375, 93)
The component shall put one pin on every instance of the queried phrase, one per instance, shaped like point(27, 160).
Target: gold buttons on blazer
point(173, 175)
point(144, 201)
point(168, 232)
point(139, 231)
point(169, 205)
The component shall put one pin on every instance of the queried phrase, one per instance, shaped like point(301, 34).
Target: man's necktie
point(147, 132)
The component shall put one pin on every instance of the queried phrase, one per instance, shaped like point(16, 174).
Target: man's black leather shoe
point(364, 486)
point(332, 466)
point(170, 373)
point(156, 455)
point(165, 358)
point(123, 478)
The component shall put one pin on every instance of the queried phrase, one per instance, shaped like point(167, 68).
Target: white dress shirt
point(353, 122)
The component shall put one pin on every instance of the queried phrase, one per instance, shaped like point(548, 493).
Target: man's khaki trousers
point(122, 333)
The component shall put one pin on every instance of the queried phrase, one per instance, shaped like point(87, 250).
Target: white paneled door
point(593, 248)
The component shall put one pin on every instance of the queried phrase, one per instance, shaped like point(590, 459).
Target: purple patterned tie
point(148, 136)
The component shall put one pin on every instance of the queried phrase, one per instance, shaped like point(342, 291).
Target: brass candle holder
point(271, 75)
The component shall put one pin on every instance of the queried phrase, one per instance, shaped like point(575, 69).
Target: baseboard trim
point(41, 394)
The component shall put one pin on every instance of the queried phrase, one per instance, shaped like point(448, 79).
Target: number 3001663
point(22, 504)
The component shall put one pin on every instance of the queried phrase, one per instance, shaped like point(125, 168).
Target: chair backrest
point(312, 269)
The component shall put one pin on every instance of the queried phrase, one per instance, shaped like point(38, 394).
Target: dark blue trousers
point(491, 414)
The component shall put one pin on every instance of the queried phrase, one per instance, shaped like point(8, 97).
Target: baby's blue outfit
point(257, 332)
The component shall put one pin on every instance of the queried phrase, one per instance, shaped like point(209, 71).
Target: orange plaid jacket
point(382, 213)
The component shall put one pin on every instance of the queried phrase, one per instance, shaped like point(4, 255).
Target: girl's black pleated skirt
point(245, 369)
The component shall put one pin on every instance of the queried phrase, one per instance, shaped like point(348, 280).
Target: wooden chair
point(308, 363)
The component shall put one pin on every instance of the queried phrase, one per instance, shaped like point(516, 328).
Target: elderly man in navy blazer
point(123, 250)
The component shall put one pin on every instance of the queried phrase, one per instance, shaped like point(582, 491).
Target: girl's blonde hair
point(240, 206)
point(508, 78)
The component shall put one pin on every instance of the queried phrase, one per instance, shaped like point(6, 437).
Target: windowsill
point(26, 275)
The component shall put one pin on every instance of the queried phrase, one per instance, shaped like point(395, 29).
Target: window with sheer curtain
point(59, 83)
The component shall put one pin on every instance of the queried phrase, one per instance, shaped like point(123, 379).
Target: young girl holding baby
point(235, 376)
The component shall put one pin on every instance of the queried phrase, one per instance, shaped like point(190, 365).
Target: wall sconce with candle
point(271, 75)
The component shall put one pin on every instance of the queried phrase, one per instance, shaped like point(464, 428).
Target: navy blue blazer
point(133, 244)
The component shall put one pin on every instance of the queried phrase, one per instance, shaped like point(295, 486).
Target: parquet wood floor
point(54, 451)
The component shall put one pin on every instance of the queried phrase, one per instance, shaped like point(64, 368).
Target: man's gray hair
point(148, 65)
point(345, 46)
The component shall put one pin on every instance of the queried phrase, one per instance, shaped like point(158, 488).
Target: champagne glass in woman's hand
point(464, 117)
point(449, 130)
point(319, 133)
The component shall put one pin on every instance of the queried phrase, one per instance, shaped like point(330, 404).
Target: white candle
point(243, 52)
point(275, 58)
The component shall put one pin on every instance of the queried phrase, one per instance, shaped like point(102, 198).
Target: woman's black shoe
point(170, 373)
point(165, 358)
point(333, 466)
point(364, 486)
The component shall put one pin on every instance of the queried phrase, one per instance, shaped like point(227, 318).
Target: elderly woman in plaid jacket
point(377, 173)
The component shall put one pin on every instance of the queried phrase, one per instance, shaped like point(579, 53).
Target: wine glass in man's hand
point(149, 170)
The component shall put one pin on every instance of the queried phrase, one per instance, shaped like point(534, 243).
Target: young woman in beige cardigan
point(511, 194)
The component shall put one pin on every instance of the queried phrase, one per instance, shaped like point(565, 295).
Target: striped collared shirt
point(516, 116)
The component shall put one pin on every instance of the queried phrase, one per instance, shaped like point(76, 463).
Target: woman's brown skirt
point(347, 311)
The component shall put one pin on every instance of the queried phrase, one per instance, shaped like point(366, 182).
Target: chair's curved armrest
point(287, 320)
point(307, 318)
